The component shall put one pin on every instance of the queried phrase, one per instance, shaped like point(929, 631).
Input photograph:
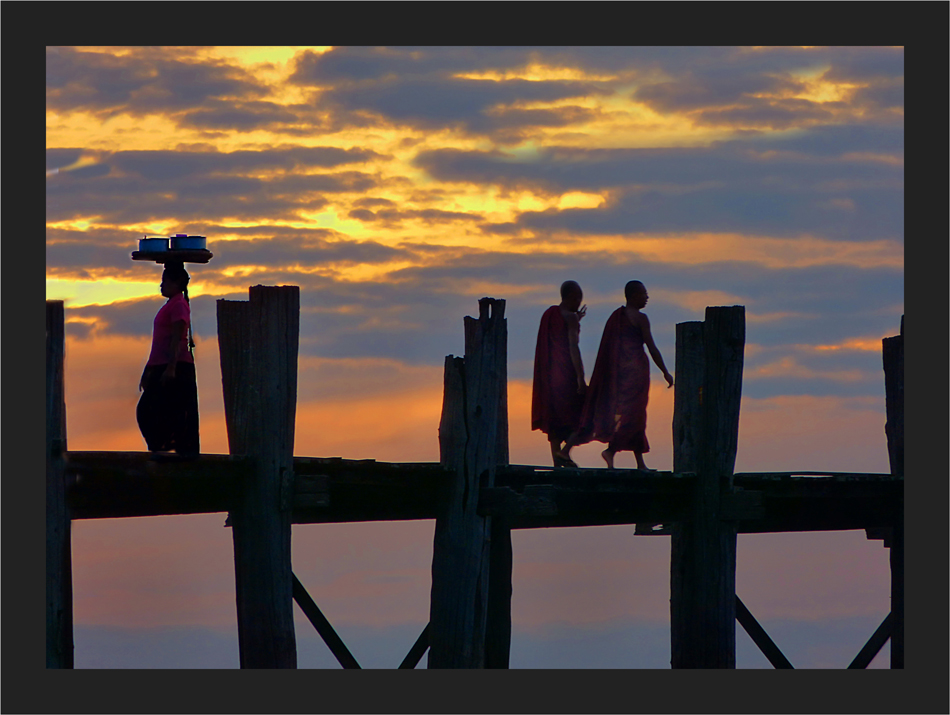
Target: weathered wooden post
point(893, 356)
point(469, 444)
point(258, 343)
point(498, 629)
point(709, 359)
point(59, 581)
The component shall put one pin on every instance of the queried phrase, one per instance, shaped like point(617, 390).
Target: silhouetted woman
point(167, 412)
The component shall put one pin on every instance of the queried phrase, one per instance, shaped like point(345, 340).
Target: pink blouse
point(175, 309)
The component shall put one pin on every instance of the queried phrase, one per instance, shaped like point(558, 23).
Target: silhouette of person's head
point(571, 295)
point(175, 279)
point(636, 294)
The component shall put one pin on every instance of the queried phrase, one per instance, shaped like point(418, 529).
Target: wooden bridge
point(475, 496)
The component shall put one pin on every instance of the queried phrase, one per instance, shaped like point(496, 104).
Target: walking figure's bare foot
point(561, 459)
point(608, 457)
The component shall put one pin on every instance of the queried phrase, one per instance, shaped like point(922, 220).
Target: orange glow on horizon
point(700, 248)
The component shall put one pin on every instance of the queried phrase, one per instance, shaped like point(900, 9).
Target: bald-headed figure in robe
point(557, 396)
point(615, 409)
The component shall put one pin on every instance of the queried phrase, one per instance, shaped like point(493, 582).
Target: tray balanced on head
point(180, 255)
point(180, 248)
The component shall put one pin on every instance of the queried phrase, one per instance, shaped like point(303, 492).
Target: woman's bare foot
point(608, 457)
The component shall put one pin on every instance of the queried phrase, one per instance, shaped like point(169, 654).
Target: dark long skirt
point(168, 414)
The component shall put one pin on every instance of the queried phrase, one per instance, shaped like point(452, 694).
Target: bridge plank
point(331, 490)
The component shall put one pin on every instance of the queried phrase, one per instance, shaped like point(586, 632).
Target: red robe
point(555, 404)
point(615, 410)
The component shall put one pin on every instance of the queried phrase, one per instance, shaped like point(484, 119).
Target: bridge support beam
point(473, 411)
point(258, 343)
point(59, 587)
point(709, 358)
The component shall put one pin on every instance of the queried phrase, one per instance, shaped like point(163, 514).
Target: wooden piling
point(498, 631)
point(59, 589)
point(258, 343)
point(498, 628)
point(709, 359)
point(893, 358)
point(470, 446)
point(897, 592)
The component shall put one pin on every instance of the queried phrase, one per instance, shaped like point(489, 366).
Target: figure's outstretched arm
point(654, 350)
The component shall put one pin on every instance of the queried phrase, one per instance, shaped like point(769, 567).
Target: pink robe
point(615, 410)
point(555, 404)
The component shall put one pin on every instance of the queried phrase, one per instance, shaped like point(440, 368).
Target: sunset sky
point(396, 186)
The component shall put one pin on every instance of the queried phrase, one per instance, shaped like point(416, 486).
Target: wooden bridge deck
point(328, 490)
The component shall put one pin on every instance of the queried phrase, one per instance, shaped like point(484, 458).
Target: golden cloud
point(699, 248)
